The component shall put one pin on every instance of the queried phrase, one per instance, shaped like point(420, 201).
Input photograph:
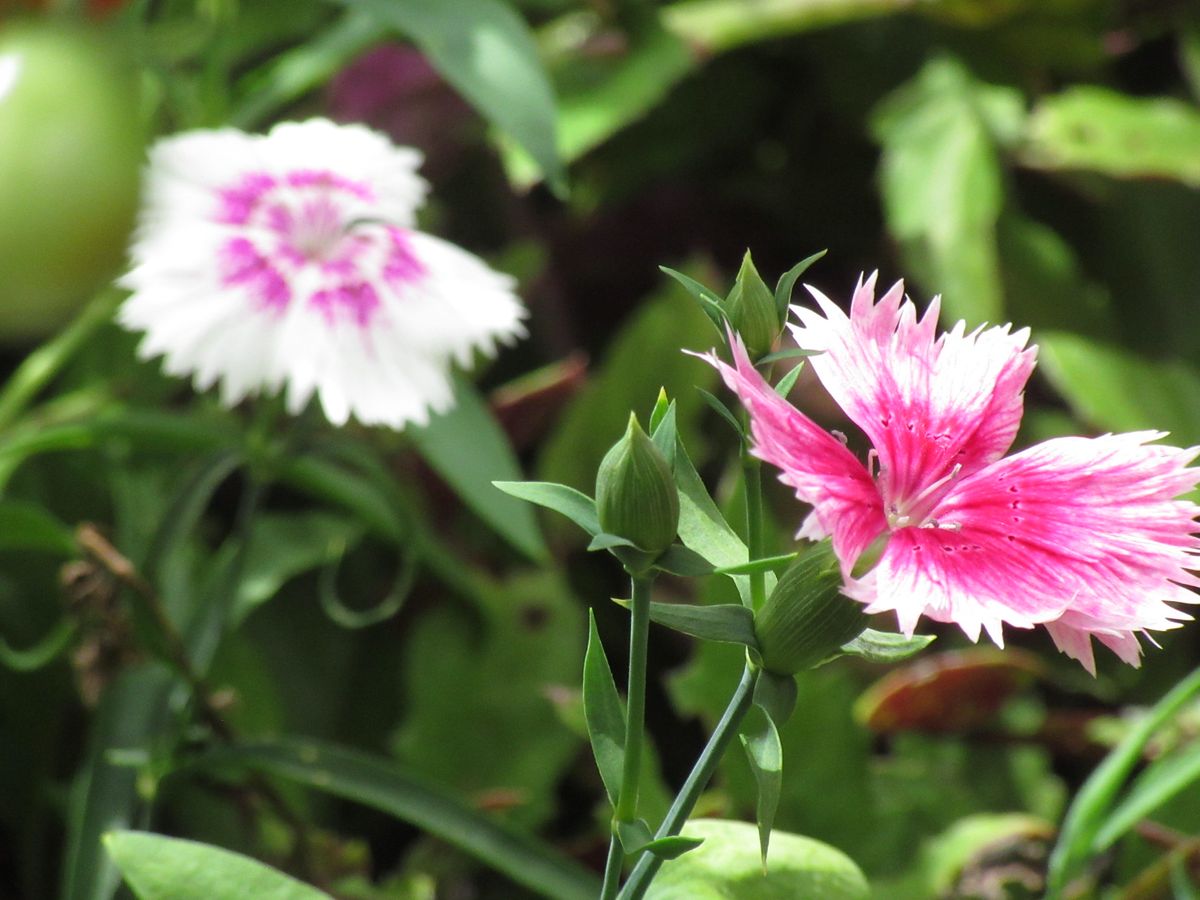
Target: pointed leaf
point(634, 836)
point(672, 847)
point(728, 623)
point(724, 412)
point(788, 353)
point(709, 301)
point(679, 560)
point(603, 713)
point(661, 404)
point(575, 505)
point(605, 541)
point(766, 564)
point(164, 868)
point(787, 283)
point(468, 449)
point(885, 646)
point(765, 754)
point(663, 431)
point(788, 381)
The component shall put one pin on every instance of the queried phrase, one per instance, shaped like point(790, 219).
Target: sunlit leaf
point(165, 868)
point(603, 713)
point(575, 505)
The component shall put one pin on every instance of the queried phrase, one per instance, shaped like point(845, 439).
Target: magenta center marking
point(316, 222)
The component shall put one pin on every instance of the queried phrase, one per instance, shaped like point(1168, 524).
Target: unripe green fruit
point(70, 155)
point(807, 618)
point(636, 497)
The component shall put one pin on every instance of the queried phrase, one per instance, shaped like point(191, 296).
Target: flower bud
point(751, 310)
point(636, 496)
point(807, 618)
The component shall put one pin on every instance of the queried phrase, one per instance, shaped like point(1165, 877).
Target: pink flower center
point(311, 233)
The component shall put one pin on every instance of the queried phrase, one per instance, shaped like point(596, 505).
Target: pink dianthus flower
point(1082, 535)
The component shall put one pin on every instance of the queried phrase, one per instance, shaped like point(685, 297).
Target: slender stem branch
point(697, 781)
point(639, 631)
point(48, 360)
point(752, 473)
point(635, 715)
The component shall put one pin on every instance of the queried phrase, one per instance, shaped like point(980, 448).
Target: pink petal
point(927, 405)
point(1083, 533)
point(817, 465)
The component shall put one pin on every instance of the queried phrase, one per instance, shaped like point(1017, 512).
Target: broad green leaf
point(1116, 390)
point(783, 297)
point(464, 677)
point(728, 623)
point(642, 358)
point(603, 713)
point(727, 866)
point(1092, 804)
point(104, 795)
point(283, 546)
point(1162, 780)
point(384, 785)
point(942, 182)
point(27, 526)
point(486, 51)
point(575, 505)
point(165, 868)
point(1096, 129)
point(468, 449)
point(886, 646)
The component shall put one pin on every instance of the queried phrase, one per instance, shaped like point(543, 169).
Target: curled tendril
point(42, 653)
point(343, 615)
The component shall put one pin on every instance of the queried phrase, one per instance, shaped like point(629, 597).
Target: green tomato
point(71, 142)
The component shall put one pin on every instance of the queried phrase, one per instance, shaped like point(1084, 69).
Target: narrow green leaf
point(766, 564)
point(886, 646)
point(787, 283)
point(603, 713)
point(788, 353)
point(469, 450)
point(663, 431)
point(788, 381)
point(661, 405)
point(672, 847)
point(709, 301)
point(385, 786)
point(485, 49)
point(765, 754)
point(1089, 810)
point(776, 696)
point(679, 560)
point(575, 505)
point(165, 868)
point(27, 526)
point(729, 623)
point(104, 795)
point(1162, 780)
point(724, 412)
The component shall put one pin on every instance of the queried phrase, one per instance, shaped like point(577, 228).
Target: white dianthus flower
point(290, 261)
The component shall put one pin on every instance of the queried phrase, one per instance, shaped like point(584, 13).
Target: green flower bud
point(807, 618)
point(636, 496)
point(751, 310)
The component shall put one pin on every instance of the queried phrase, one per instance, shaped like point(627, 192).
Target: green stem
point(635, 715)
point(697, 781)
point(752, 473)
point(48, 360)
point(639, 631)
